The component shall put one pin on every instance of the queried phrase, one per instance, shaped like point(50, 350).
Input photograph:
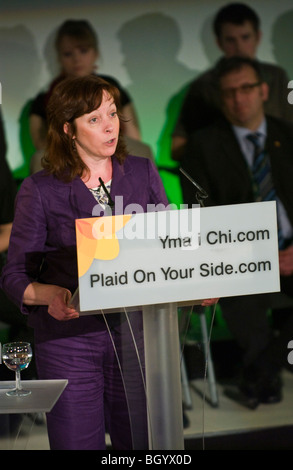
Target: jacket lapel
point(81, 199)
point(274, 143)
point(121, 190)
point(232, 149)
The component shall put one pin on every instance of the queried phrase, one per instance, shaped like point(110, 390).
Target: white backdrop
point(153, 48)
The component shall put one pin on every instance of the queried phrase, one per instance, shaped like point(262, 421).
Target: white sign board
point(177, 255)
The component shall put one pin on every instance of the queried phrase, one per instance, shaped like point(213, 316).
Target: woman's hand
point(57, 298)
point(58, 307)
point(209, 302)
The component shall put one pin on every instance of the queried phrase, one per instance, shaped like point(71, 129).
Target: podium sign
point(177, 255)
point(156, 261)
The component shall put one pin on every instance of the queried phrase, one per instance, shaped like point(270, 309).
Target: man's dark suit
point(214, 159)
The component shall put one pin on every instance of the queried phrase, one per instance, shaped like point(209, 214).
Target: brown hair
point(72, 98)
point(226, 65)
point(80, 30)
point(237, 14)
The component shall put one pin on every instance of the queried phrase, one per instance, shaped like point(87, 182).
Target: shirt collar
point(242, 132)
point(246, 146)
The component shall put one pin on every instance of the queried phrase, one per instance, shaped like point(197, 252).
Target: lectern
point(162, 371)
point(155, 262)
point(163, 376)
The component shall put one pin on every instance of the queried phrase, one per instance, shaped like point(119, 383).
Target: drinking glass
point(17, 356)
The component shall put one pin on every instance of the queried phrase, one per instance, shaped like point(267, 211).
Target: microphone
point(111, 203)
point(201, 193)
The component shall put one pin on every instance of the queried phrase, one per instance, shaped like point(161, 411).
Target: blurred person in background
point(237, 32)
point(78, 53)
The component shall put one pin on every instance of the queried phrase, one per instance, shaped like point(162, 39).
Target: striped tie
point(262, 176)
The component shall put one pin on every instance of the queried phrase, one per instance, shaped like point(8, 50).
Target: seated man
point(221, 159)
point(237, 32)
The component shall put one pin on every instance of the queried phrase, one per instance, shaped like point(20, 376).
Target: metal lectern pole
point(163, 377)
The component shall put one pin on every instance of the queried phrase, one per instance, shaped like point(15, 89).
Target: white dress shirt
point(247, 148)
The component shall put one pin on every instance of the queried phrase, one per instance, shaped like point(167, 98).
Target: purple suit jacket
point(43, 244)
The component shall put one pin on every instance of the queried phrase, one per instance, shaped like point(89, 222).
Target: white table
point(45, 394)
point(15, 433)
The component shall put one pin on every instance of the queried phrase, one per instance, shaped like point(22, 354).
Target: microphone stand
point(200, 195)
point(111, 203)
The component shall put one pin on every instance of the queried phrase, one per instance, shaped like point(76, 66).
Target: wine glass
point(17, 356)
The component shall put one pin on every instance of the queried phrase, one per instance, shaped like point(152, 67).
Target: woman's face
point(76, 60)
point(96, 134)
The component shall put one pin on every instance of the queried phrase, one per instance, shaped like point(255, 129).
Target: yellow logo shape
point(96, 239)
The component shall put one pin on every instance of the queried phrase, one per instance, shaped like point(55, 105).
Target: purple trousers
point(105, 391)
